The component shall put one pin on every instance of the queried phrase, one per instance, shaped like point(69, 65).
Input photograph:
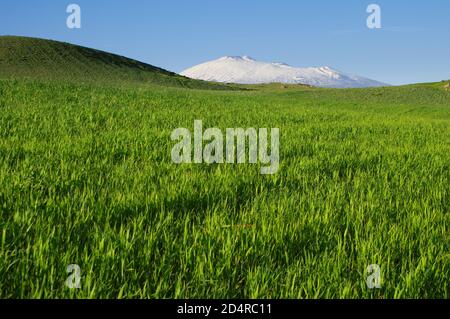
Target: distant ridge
point(23, 57)
point(246, 70)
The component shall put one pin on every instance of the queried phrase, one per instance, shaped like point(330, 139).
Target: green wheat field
point(86, 178)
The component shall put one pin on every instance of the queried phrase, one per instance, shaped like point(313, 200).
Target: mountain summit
point(246, 70)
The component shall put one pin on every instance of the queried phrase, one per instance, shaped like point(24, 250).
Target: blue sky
point(412, 46)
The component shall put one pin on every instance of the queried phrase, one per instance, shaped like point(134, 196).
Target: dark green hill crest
point(22, 57)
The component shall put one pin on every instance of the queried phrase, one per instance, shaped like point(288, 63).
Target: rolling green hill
point(22, 57)
point(86, 178)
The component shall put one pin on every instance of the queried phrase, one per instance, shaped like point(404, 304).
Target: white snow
point(246, 70)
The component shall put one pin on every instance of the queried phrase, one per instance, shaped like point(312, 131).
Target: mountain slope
point(245, 70)
point(22, 57)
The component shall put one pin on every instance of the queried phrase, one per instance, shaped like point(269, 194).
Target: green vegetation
point(86, 178)
point(30, 58)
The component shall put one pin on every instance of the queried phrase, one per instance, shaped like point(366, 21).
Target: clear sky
point(413, 44)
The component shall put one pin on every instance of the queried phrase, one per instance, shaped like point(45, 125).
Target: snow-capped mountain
point(245, 70)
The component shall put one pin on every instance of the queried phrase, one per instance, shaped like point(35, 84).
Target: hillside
point(86, 178)
point(22, 57)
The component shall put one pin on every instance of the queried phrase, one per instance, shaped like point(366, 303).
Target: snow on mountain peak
point(236, 58)
point(247, 58)
point(246, 70)
point(282, 64)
